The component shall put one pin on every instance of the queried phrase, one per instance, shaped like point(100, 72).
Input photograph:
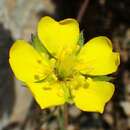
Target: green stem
point(60, 119)
point(63, 117)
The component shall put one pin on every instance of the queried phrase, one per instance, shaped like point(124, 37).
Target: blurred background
point(18, 19)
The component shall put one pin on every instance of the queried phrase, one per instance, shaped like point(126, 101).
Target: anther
point(39, 61)
point(36, 77)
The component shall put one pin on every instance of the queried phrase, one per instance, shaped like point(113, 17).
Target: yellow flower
point(63, 70)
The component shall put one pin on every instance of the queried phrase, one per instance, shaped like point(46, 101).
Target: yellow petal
point(58, 36)
point(26, 62)
point(94, 97)
point(47, 94)
point(96, 57)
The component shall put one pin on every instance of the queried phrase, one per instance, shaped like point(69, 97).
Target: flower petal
point(26, 62)
point(57, 36)
point(46, 94)
point(94, 97)
point(96, 57)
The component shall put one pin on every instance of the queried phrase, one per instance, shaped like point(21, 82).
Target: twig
point(82, 10)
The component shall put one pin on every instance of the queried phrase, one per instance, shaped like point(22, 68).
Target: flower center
point(64, 68)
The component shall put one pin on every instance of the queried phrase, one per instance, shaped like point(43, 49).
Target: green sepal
point(48, 78)
point(102, 78)
point(37, 44)
point(81, 39)
point(40, 81)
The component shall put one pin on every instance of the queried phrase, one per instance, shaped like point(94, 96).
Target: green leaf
point(128, 43)
point(81, 39)
point(102, 78)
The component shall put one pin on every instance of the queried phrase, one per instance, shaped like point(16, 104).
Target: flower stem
point(65, 116)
